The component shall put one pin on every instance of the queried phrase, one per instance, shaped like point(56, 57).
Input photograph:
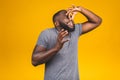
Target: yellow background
point(21, 21)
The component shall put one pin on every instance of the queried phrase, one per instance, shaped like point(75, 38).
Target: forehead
point(63, 16)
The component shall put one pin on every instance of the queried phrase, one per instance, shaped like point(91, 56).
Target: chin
point(71, 27)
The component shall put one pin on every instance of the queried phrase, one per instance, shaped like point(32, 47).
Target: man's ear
point(56, 23)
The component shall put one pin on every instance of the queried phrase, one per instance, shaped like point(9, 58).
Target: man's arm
point(92, 22)
point(42, 55)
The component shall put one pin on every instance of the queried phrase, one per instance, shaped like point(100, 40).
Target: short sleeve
point(43, 39)
point(79, 28)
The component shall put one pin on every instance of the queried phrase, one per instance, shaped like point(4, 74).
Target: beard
point(66, 27)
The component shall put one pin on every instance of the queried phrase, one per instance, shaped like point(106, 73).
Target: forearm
point(93, 18)
point(44, 56)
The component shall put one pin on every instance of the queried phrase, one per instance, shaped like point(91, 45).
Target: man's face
point(66, 23)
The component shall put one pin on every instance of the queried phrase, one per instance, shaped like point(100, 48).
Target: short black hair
point(57, 14)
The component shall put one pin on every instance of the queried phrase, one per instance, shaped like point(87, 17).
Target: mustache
point(66, 27)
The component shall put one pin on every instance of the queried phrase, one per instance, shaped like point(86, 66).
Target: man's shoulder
point(48, 31)
point(78, 28)
point(78, 24)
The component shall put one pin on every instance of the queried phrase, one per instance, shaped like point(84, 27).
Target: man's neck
point(58, 28)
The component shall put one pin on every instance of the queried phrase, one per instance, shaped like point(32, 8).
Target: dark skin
point(42, 55)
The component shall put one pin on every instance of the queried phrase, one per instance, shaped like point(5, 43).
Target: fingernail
point(62, 30)
point(65, 30)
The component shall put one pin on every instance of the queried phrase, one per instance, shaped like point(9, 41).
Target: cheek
point(62, 23)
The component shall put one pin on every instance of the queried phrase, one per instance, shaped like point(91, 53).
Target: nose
point(69, 21)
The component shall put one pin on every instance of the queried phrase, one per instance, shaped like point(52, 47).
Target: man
point(57, 47)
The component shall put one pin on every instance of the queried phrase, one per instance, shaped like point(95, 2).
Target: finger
point(68, 11)
point(73, 6)
point(60, 32)
point(70, 8)
point(65, 40)
point(63, 35)
point(73, 15)
point(70, 15)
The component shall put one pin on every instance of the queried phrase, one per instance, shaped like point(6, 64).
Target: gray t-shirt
point(63, 65)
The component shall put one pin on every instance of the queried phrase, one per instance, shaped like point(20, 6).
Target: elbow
point(99, 21)
point(34, 63)
point(36, 60)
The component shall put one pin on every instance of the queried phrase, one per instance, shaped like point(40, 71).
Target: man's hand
point(92, 22)
point(60, 39)
point(42, 55)
point(72, 11)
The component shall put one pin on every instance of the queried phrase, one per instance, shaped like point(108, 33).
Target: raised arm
point(92, 22)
